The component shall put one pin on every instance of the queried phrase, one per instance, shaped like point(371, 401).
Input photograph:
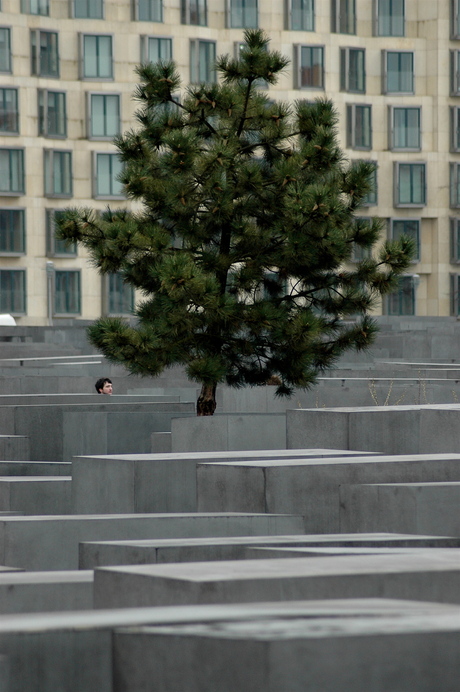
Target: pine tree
point(245, 224)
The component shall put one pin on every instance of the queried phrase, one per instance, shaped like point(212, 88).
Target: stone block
point(40, 592)
point(425, 577)
point(35, 494)
point(14, 447)
point(51, 543)
point(310, 486)
point(419, 508)
point(35, 468)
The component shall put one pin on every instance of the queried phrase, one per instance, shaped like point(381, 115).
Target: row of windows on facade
point(66, 293)
point(388, 15)
point(96, 51)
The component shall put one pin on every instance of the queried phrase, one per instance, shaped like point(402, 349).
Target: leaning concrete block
point(49, 543)
point(410, 507)
point(310, 487)
point(421, 577)
point(35, 494)
point(302, 654)
point(40, 592)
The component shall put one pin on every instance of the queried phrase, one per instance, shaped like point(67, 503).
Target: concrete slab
point(311, 487)
point(72, 651)
point(40, 592)
point(412, 507)
point(301, 654)
point(421, 577)
point(35, 494)
point(107, 553)
point(129, 483)
point(35, 468)
point(51, 543)
point(15, 447)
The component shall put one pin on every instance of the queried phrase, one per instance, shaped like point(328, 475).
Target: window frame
point(455, 20)
point(244, 25)
point(43, 118)
point(36, 59)
point(307, 15)
point(65, 313)
point(95, 78)
point(392, 128)
point(13, 132)
point(351, 126)
point(145, 46)
point(417, 238)
point(336, 16)
point(95, 160)
point(49, 173)
point(346, 71)
point(385, 71)
point(52, 247)
point(135, 12)
point(298, 66)
point(9, 69)
point(454, 185)
point(89, 115)
point(454, 294)
point(107, 299)
point(21, 271)
point(25, 8)
point(455, 72)
point(413, 281)
point(396, 182)
point(376, 19)
point(186, 12)
point(20, 173)
point(454, 236)
point(22, 232)
point(195, 44)
point(73, 15)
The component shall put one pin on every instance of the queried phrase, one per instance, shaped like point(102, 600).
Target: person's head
point(104, 386)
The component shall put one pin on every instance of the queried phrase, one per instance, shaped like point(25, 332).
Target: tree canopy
point(240, 244)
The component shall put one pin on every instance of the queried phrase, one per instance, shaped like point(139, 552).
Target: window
point(455, 128)
point(120, 295)
point(52, 117)
point(44, 53)
point(389, 17)
point(410, 228)
point(454, 185)
point(343, 17)
point(454, 294)
point(371, 198)
point(11, 172)
point(35, 7)
point(455, 241)
point(359, 126)
point(242, 14)
point(67, 292)
point(154, 49)
point(404, 133)
point(107, 167)
point(88, 9)
point(97, 57)
point(148, 10)
point(54, 246)
point(455, 72)
point(202, 60)
point(13, 291)
point(352, 70)
point(194, 12)
point(9, 115)
point(12, 232)
point(402, 301)
point(5, 50)
point(398, 72)
point(410, 184)
point(58, 173)
point(309, 67)
point(455, 19)
point(104, 116)
point(300, 15)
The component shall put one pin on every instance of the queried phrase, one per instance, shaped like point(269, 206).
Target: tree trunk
point(206, 403)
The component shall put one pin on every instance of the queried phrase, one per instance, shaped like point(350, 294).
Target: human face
point(107, 388)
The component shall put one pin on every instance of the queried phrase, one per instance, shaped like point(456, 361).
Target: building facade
point(67, 75)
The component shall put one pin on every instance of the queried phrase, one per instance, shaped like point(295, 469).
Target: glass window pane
point(88, 9)
point(390, 18)
point(5, 52)
point(121, 295)
point(12, 291)
point(12, 230)
point(159, 49)
point(311, 69)
point(302, 15)
point(67, 292)
point(9, 120)
point(150, 10)
point(411, 183)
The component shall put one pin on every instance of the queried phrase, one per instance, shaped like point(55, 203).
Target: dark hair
point(101, 382)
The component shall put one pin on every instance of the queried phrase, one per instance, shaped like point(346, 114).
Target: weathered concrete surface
point(40, 592)
point(35, 468)
point(51, 543)
point(35, 494)
point(310, 487)
point(14, 447)
point(73, 652)
point(108, 553)
point(420, 577)
point(386, 429)
point(410, 507)
point(129, 483)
